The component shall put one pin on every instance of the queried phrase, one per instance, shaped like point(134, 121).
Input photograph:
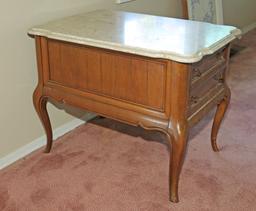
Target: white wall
point(19, 123)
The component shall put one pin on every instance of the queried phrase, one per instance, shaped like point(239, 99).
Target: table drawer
point(209, 64)
point(205, 86)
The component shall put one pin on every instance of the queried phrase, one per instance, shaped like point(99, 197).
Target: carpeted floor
point(108, 166)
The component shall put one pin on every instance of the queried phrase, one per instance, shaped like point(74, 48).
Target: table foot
point(174, 198)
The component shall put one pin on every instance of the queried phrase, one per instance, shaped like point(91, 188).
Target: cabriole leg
point(41, 109)
point(178, 145)
point(221, 110)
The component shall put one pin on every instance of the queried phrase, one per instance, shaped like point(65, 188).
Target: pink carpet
point(108, 166)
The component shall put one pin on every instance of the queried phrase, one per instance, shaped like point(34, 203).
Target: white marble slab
point(159, 37)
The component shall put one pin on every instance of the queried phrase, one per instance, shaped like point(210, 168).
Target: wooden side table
point(159, 73)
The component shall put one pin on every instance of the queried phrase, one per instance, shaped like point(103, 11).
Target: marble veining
point(154, 36)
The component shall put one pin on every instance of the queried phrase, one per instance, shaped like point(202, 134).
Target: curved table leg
point(177, 137)
point(221, 110)
point(178, 141)
point(40, 107)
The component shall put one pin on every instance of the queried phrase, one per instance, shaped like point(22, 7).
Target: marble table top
point(154, 36)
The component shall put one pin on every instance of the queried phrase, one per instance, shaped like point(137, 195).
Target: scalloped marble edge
point(234, 34)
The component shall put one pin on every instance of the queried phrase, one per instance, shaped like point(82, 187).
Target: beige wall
point(156, 7)
point(19, 123)
point(240, 13)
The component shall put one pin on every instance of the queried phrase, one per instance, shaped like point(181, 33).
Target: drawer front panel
point(133, 79)
point(207, 65)
point(207, 79)
point(205, 91)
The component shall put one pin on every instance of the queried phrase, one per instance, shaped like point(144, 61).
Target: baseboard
point(249, 28)
point(39, 142)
